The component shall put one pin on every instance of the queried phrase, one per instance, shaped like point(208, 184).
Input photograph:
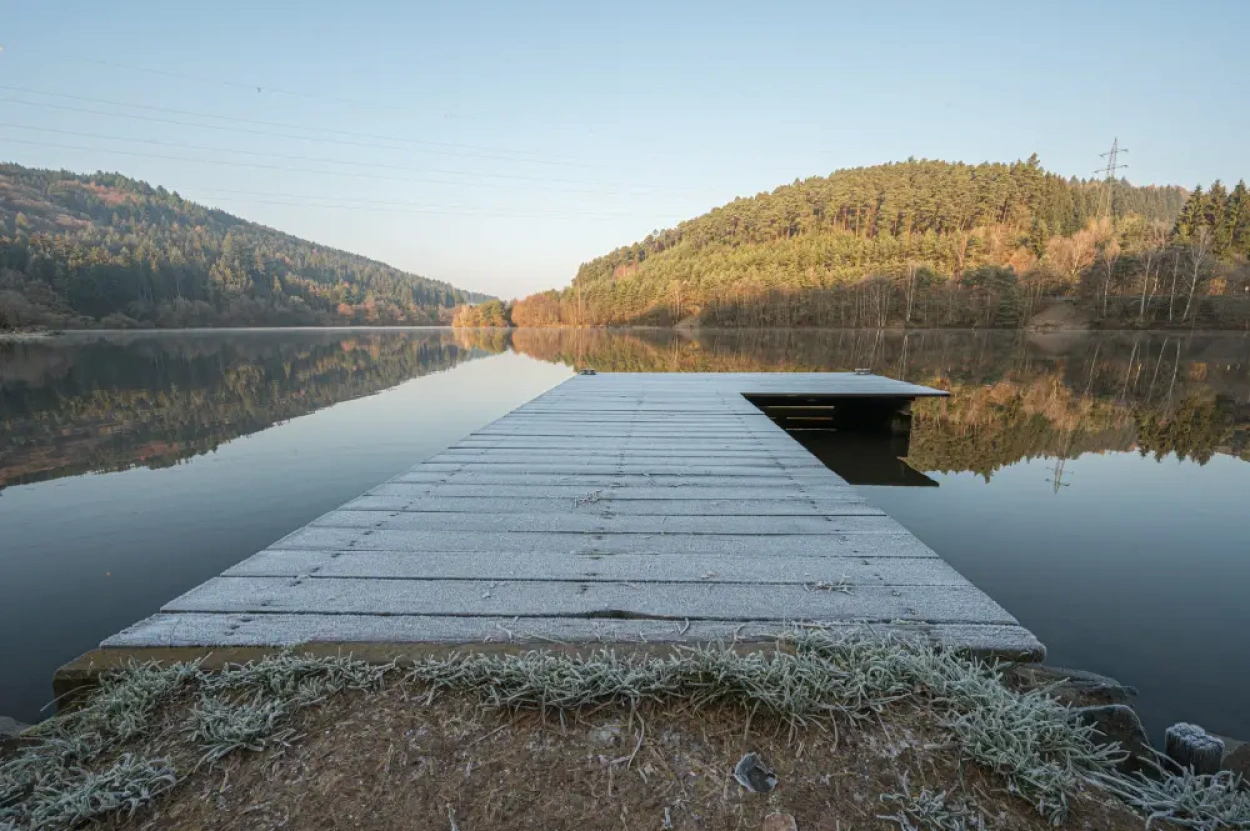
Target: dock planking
point(617, 508)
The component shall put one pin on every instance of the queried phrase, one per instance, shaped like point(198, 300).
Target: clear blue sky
point(498, 147)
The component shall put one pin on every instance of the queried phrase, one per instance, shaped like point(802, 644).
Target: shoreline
point(25, 337)
point(38, 335)
point(540, 737)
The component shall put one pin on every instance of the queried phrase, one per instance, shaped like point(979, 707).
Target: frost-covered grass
point(1185, 799)
point(930, 811)
point(126, 785)
point(48, 784)
point(1028, 737)
point(69, 773)
point(77, 768)
point(245, 706)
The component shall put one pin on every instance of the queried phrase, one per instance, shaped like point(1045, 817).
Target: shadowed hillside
point(105, 250)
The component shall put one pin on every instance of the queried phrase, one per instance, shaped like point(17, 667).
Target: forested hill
point(828, 242)
point(103, 249)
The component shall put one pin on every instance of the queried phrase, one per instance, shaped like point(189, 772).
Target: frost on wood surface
point(1189, 746)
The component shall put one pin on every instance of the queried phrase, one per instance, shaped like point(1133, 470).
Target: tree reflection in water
point(95, 402)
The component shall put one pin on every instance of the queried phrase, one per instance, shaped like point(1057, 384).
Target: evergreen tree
point(1192, 214)
point(105, 249)
point(1237, 220)
point(821, 251)
point(1213, 214)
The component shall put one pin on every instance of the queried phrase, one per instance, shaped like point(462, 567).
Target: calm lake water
point(1097, 485)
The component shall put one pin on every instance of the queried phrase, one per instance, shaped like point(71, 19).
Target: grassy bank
point(862, 733)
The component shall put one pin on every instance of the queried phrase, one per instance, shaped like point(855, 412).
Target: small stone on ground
point(1120, 723)
point(10, 727)
point(10, 735)
point(1237, 759)
point(1076, 688)
point(779, 822)
point(754, 774)
point(605, 735)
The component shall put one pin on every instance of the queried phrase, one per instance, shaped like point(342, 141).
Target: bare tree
point(1129, 372)
point(1152, 248)
point(881, 289)
point(1033, 282)
point(1108, 256)
point(674, 291)
point(1069, 256)
point(909, 290)
point(1176, 271)
point(961, 250)
point(1199, 254)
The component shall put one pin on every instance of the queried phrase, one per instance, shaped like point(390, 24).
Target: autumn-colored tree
point(812, 252)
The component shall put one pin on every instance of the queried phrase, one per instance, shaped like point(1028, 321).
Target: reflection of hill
point(493, 341)
point(1015, 397)
point(112, 402)
point(116, 402)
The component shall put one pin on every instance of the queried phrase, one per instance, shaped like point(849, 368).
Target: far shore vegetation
point(925, 244)
point(105, 251)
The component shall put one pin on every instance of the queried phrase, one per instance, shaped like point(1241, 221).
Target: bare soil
point(395, 760)
point(1062, 314)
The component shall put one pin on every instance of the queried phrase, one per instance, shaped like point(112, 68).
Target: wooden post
point(1188, 745)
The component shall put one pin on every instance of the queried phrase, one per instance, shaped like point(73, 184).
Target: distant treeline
point(927, 244)
point(105, 250)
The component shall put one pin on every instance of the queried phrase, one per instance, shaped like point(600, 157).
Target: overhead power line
point(423, 210)
point(254, 88)
point(396, 203)
point(322, 160)
point(513, 155)
point(260, 166)
point(219, 81)
point(237, 130)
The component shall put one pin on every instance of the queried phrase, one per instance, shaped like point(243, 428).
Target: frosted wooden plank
point(570, 522)
point(607, 506)
point(792, 455)
point(598, 480)
point(825, 545)
point(624, 468)
point(647, 490)
point(1011, 642)
point(702, 568)
point(697, 601)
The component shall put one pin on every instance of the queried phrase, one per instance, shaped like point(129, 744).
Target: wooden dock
point(615, 508)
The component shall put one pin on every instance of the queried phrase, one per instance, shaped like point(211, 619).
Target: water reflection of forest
point(113, 402)
point(110, 403)
point(1014, 396)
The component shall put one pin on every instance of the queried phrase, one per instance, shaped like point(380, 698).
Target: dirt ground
point(1061, 314)
point(393, 760)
